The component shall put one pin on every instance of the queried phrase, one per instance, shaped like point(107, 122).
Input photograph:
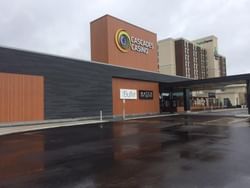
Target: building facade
point(38, 86)
point(116, 42)
point(125, 80)
point(222, 65)
point(166, 56)
point(122, 79)
point(216, 63)
point(183, 58)
point(197, 59)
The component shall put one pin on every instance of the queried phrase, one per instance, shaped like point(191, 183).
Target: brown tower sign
point(117, 42)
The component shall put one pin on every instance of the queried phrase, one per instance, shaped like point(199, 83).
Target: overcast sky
point(61, 27)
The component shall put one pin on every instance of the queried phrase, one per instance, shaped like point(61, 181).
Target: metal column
point(186, 97)
point(171, 100)
point(248, 96)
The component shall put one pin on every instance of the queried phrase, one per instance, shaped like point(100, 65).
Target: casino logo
point(122, 40)
point(126, 42)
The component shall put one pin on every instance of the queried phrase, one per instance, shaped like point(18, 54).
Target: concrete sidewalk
point(11, 128)
point(4, 130)
point(231, 112)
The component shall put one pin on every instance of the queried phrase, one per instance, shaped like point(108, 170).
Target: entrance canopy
point(206, 84)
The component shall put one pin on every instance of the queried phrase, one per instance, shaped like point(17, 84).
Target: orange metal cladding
point(99, 41)
point(138, 106)
point(104, 49)
point(21, 97)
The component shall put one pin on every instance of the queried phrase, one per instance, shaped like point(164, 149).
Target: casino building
point(122, 78)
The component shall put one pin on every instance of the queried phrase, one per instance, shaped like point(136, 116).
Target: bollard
point(123, 110)
point(100, 115)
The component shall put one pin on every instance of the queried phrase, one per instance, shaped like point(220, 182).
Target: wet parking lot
point(174, 151)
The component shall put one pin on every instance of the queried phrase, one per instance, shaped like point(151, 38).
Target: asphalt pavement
point(175, 151)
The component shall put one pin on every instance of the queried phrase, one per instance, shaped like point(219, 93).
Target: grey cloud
point(62, 27)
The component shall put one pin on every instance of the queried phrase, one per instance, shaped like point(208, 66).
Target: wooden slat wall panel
point(21, 97)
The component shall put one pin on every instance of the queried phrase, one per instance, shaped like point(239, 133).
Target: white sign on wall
point(128, 94)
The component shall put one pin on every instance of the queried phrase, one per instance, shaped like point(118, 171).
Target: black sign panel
point(211, 95)
point(145, 94)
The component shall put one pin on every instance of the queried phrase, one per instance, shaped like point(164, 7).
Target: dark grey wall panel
point(73, 88)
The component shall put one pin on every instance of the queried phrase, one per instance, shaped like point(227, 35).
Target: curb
point(22, 127)
point(28, 128)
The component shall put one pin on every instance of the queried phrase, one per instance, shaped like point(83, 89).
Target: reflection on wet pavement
point(176, 151)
